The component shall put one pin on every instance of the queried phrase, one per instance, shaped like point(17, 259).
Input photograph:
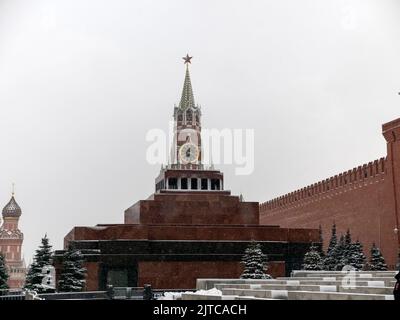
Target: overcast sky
point(81, 82)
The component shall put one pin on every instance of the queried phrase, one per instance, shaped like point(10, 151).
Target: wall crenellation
point(349, 177)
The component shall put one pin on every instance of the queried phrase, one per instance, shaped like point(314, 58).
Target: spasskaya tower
point(187, 172)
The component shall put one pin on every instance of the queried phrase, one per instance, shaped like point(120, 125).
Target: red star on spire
point(187, 59)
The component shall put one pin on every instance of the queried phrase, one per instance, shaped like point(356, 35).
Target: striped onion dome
point(12, 209)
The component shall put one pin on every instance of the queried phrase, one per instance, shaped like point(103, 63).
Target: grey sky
point(81, 82)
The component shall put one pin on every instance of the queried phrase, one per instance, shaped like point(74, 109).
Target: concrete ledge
point(309, 285)
point(206, 284)
point(322, 288)
point(195, 296)
point(305, 273)
point(305, 295)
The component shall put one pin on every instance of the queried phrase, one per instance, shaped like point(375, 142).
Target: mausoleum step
point(386, 280)
point(305, 273)
point(335, 277)
point(358, 275)
point(305, 295)
point(322, 288)
point(206, 284)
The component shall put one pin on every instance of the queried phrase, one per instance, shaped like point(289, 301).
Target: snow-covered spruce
point(332, 256)
point(340, 254)
point(377, 262)
point(42, 259)
point(344, 253)
point(398, 262)
point(255, 263)
point(3, 273)
point(321, 240)
point(346, 249)
point(312, 259)
point(356, 257)
point(72, 277)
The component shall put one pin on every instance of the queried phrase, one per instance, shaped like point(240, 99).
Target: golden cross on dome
point(13, 189)
point(187, 59)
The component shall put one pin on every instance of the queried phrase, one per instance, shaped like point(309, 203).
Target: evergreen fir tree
point(255, 263)
point(34, 277)
point(44, 254)
point(340, 254)
point(321, 240)
point(333, 241)
point(346, 250)
point(331, 258)
point(347, 241)
point(312, 259)
point(377, 262)
point(356, 257)
point(3, 272)
point(43, 258)
point(72, 277)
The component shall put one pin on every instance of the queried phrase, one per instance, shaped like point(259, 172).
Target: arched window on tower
point(197, 118)
point(189, 116)
point(180, 117)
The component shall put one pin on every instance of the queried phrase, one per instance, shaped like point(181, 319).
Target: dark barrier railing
point(12, 297)
point(11, 294)
point(113, 293)
point(139, 293)
point(85, 295)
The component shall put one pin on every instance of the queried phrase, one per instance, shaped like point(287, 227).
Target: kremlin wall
point(364, 199)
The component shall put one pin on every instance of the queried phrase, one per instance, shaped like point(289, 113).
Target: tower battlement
point(350, 178)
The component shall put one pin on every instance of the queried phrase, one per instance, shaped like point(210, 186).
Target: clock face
point(188, 153)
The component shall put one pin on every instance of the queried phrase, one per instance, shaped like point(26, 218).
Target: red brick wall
point(183, 275)
point(363, 209)
point(11, 249)
point(362, 199)
point(15, 284)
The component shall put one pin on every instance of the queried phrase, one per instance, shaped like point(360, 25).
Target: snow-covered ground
point(178, 295)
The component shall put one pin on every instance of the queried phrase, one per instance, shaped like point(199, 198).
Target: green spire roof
point(187, 99)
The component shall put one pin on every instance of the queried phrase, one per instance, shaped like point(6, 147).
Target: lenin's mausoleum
point(192, 227)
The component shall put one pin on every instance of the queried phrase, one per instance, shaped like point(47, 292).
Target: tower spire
point(187, 98)
point(13, 189)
